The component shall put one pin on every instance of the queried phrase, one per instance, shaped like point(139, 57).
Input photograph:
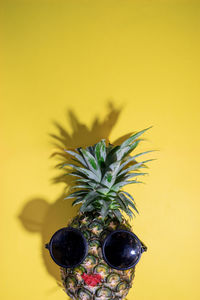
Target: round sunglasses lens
point(68, 247)
point(122, 250)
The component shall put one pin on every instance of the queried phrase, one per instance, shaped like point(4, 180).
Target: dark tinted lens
point(68, 247)
point(122, 250)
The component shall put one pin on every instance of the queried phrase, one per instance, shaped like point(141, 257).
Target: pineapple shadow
point(43, 216)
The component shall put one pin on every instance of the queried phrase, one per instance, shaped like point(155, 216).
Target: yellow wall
point(127, 65)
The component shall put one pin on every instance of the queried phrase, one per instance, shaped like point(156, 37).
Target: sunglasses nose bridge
point(47, 246)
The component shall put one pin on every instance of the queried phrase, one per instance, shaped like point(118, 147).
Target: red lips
point(91, 279)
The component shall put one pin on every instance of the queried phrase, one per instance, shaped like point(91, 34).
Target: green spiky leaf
point(100, 152)
point(83, 187)
point(119, 185)
point(92, 163)
point(129, 202)
point(88, 173)
point(129, 195)
point(77, 201)
point(77, 156)
point(102, 171)
point(76, 194)
point(134, 137)
point(118, 215)
point(88, 199)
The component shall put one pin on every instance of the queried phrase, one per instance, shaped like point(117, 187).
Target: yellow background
point(100, 69)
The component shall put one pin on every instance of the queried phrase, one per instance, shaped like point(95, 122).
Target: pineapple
point(112, 283)
point(100, 172)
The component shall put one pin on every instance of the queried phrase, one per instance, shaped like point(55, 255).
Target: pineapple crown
point(101, 172)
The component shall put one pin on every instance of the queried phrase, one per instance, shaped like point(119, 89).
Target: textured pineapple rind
point(115, 284)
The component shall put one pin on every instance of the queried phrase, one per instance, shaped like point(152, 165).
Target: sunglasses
point(121, 249)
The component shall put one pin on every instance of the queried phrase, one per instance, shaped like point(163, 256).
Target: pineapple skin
point(115, 284)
